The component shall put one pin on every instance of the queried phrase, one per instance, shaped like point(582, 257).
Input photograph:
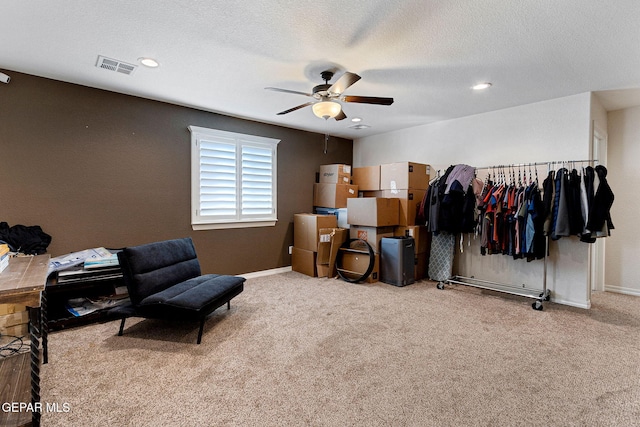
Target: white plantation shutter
point(257, 181)
point(233, 179)
point(217, 179)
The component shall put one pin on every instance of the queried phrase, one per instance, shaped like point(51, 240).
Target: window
point(233, 179)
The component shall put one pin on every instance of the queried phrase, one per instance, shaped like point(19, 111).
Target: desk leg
point(34, 320)
point(44, 328)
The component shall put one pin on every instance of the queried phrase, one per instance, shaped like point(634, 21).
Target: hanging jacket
point(562, 217)
point(576, 222)
point(451, 209)
point(584, 204)
point(599, 211)
point(564, 210)
point(588, 179)
point(468, 221)
point(536, 213)
point(548, 198)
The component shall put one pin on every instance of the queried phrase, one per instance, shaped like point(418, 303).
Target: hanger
point(519, 176)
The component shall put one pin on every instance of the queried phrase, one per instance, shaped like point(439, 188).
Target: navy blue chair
point(164, 281)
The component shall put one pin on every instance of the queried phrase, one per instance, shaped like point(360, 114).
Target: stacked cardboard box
point(14, 320)
point(380, 201)
point(370, 219)
point(335, 174)
point(407, 181)
point(316, 239)
point(403, 175)
point(367, 178)
point(334, 186)
point(340, 213)
point(330, 241)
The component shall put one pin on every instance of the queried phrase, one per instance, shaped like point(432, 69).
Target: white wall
point(622, 269)
point(545, 131)
point(599, 116)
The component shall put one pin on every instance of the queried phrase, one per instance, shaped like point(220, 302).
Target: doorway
point(596, 253)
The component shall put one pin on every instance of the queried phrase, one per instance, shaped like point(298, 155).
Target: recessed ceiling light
point(359, 126)
point(481, 86)
point(356, 120)
point(148, 62)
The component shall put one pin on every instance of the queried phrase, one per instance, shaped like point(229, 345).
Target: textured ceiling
point(219, 55)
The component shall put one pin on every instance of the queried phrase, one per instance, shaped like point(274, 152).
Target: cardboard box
point(16, 331)
point(11, 308)
point(330, 241)
point(377, 193)
point(419, 233)
point(335, 174)
point(13, 319)
point(404, 175)
point(354, 265)
point(373, 211)
point(340, 213)
point(306, 228)
point(375, 273)
point(410, 199)
point(421, 265)
point(304, 261)
point(333, 195)
point(371, 235)
point(366, 178)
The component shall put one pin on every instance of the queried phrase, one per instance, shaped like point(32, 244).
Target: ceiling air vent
point(115, 65)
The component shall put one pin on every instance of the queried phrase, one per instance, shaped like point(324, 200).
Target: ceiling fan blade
point(341, 116)
point(306, 104)
point(346, 80)
point(288, 91)
point(367, 99)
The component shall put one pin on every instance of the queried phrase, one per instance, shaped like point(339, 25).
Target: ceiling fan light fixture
point(326, 109)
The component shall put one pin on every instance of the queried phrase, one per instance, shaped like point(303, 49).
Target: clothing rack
point(512, 289)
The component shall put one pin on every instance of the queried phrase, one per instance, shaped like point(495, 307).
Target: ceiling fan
point(326, 96)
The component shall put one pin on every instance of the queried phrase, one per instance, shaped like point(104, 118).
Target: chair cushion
point(194, 297)
point(154, 267)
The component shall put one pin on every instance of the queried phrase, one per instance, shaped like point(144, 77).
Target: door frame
point(597, 250)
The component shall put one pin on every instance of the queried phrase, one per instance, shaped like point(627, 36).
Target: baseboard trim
point(263, 273)
point(586, 305)
point(622, 290)
point(608, 288)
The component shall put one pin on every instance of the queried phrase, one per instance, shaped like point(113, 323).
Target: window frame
point(210, 222)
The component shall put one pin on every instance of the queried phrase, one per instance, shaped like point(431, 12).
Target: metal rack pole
point(516, 165)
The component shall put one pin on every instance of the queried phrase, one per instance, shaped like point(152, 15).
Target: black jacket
point(599, 210)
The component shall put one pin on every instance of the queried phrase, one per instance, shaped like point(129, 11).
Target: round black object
point(355, 246)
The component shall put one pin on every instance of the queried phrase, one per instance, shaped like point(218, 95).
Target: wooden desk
point(22, 283)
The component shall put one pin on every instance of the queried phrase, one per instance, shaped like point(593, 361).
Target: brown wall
point(96, 168)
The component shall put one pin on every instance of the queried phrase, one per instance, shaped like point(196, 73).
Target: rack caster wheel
point(440, 285)
point(537, 305)
point(545, 298)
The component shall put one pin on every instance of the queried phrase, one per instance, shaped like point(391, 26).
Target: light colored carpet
point(297, 351)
